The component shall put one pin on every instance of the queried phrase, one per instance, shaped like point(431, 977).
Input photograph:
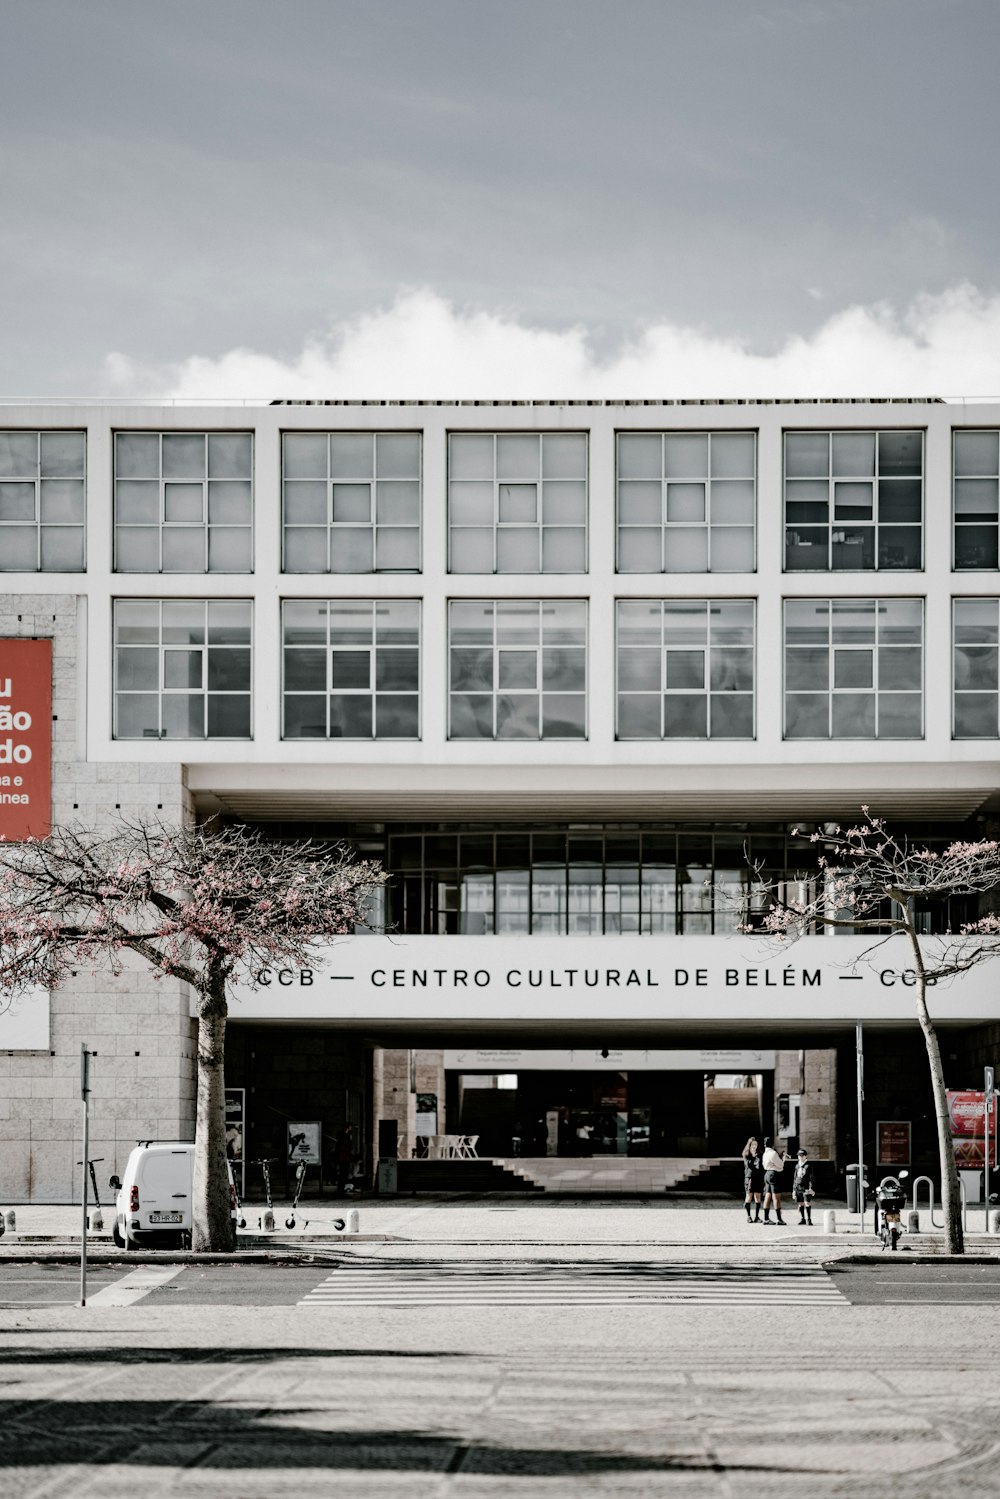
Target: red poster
point(968, 1132)
point(25, 739)
point(893, 1142)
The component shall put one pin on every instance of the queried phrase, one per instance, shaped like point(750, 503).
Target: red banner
point(25, 739)
point(967, 1111)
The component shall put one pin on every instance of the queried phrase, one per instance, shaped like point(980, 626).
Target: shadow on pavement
point(124, 1355)
point(198, 1434)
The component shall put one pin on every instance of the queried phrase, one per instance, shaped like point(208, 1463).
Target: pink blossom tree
point(208, 905)
point(871, 881)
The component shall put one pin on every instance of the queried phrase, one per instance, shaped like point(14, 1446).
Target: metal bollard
point(354, 1221)
point(10, 1221)
point(994, 1224)
point(95, 1221)
point(912, 1221)
point(829, 1221)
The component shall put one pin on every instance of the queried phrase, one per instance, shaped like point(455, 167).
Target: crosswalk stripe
point(591, 1285)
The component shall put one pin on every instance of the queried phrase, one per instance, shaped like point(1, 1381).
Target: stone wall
point(143, 1074)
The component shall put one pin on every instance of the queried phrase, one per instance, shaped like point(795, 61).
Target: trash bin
point(853, 1193)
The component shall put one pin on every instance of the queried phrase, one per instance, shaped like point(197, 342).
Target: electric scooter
point(241, 1219)
point(890, 1199)
point(300, 1176)
point(267, 1221)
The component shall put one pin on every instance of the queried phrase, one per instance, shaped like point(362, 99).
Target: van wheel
point(131, 1247)
point(116, 1235)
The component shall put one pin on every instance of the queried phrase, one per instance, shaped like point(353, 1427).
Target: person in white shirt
point(773, 1162)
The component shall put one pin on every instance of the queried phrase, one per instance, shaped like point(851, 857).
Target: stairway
point(596, 1176)
point(733, 1115)
point(476, 1176)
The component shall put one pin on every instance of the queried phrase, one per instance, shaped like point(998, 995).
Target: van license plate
point(166, 1217)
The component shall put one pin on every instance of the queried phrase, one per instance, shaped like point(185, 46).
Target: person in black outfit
point(753, 1177)
point(803, 1190)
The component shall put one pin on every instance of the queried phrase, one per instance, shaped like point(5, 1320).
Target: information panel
point(25, 739)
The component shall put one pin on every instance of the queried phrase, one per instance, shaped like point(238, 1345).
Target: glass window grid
point(837, 633)
point(838, 543)
point(523, 653)
point(158, 542)
point(42, 501)
point(976, 668)
point(718, 631)
point(677, 537)
point(370, 544)
point(155, 699)
point(976, 499)
point(497, 530)
point(387, 620)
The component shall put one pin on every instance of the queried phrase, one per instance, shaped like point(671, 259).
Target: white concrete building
point(558, 664)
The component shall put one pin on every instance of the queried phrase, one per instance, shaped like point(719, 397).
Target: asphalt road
point(357, 1281)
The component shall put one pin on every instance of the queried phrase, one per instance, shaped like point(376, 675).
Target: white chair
point(467, 1148)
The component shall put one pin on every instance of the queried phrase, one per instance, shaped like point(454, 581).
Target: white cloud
point(422, 346)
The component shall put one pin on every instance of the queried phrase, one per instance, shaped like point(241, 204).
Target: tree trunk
point(950, 1197)
point(212, 1223)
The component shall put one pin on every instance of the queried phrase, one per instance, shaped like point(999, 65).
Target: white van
point(153, 1206)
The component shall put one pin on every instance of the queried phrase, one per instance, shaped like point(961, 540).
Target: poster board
point(894, 1142)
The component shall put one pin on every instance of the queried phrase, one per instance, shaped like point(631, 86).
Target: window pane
point(396, 717)
point(471, 717)
point(900, 621)
point(854, 453)
point(229, 622)
point(305, 455)
point(471, 550)
point(397, 621)
point(732, 669)
point(18, 455)
point(397, 503)
point(137, 623)
point(137, 716)
point(900, 667)
point(304, 623)
point(517, 669)
point(975, 668)
point(685, 455)
point(350, 669)
point(396, 670)
point(732, 549)
point(229, 669)
point(976, 499)
point(854, 668)
point(137, 669)
point(564, 549)
point(184, 502)
point(685, 716)
point(732, 455)
point(182, 669)
point(639, 502)
point(732, 502)
point(137, 501)
point(807, 716)
point(350, 716)
point(853, 715)
point(564, 669)
point(899, 546)
point(305, 717)
point(640, 456)
point(471, 622)
point(900, 453)
point(229, 716)
point(853, 501)
point(351, 549)
point(639, 549)
point(517, 715)
point(517, 456)
point(62, 455)
point(229, 549)
point(806, 549)
point(61, 501)
point(19, 549)
point(563, 716)
point(976, 452)
point(976, 546)
point(805, 668)
point(137, 455)
point(470, 455)
point(517, 550)
point(639, 716)
point(564, 455)
point(352, 502)
point(731, 715)
point(685, 669)
point(229, 503)
point(183, 715)
point(230, 455)
point(62, 549)
point(807, 455)
point(183, 455)
point(397, 549)
point(899, 500)
point(183, 549)
point(17, 502)
point(397, 455)
point(518, 502)
point(305, 670)
point(686, 549)
point(471, 669)
point(685, 502)
point(639, 670)
point(899, 715)
point(351, 455)
point(976, 620)
point(976, 715)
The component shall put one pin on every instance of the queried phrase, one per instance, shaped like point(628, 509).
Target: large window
point(42, 502)
point(977, 468)
point(517, 669)
point(182, 668)
point(854, 668)
point(976, 668)
point(351, 669)
point(351, 502)
point(685, 668)
point(686, 502)
point(517, 502)
point(853, 501)
point(183, 502)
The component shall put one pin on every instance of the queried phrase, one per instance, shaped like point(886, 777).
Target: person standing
point(753, 1178)
point(803, 1189)
point(773, 1162)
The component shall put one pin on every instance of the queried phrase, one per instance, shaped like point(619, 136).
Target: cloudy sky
point(499, 197)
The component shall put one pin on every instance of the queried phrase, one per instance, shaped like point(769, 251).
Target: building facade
point(565, 668)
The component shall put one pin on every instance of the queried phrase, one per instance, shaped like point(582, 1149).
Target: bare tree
point(871, 881)
point(208, 905)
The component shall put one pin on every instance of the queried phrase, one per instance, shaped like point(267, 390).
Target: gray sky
point(189, 177)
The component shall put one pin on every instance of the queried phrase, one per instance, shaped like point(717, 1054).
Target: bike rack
point(930, 1201)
